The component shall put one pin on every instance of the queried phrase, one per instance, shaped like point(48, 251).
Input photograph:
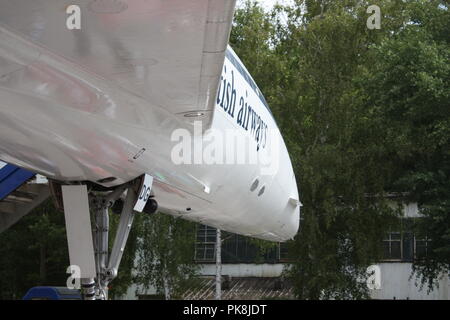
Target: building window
point(404, 246)
point(407, 246)
point(284, 253)
point(239, 249)
point(422, 247)
point(392, 246)
point(235, 248)
point(205, 244)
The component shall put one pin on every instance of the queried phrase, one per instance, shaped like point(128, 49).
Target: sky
point(267, 4)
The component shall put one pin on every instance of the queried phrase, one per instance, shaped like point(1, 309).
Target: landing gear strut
point(88, 248)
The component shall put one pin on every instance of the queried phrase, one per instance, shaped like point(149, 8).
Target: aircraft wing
point(168, 52)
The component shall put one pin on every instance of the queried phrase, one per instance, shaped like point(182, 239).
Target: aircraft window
point(261, 191)
point(254, 185)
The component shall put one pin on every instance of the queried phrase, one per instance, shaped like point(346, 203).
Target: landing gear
point(88, 246)
point(107, 265)
point(151, 206)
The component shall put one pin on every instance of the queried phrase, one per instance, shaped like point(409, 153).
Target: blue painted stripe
point(12, 177)
point(6, 171)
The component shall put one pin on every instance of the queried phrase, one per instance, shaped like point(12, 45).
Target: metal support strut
point(88, 245)
point(107, 265)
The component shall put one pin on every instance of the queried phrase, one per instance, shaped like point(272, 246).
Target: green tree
point(166, 254)
point(34, 252)
point(339, 157)
point(364, 112)
point(407, 89)
point(311, 60)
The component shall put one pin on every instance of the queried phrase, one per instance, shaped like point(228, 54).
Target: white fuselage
point(70, 125)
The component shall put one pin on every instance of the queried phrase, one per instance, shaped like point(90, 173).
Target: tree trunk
point(166, 287)
point(218, 265)
point(167, 290)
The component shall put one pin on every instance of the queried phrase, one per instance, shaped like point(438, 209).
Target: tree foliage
point(364, 113)
point(408, 90)
point(33, 252)
point(165, 256)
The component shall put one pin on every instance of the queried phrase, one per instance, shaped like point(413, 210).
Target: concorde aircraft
point(139, 106)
